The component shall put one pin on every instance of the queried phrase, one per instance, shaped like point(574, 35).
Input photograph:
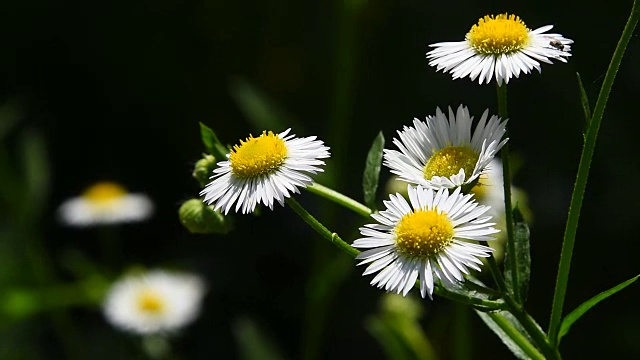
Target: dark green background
point(117, 90)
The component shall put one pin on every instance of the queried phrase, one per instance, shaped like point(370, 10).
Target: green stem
point(342, 245)
point(339, 198)
point(495, 272)
point(513, 333)
point(320, 229)
point(582, 175)
point(536, 333)
point(511, 261)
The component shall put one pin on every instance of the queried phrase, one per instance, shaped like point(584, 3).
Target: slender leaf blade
point(261, 111)
point(371, 174)
point(587, 305)
point(212, 144)
point(521, 235)
point(584, 101)
point(517, 340)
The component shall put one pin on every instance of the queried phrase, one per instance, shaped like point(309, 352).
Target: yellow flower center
point(258, 156)
point(150, 302)
point(423, 233)
point(448, 161)
point(502, 34)
point(104, 192)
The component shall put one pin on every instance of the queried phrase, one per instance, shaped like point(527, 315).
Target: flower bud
point(199, 218)
point(203, 169)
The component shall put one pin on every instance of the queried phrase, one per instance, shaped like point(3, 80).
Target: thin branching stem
point(582, 175)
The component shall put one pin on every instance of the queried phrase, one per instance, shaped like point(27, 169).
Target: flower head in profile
point(263, 169)
point(444, 152)
point(430, 237)
point(499, 46)
point(105, 203)
point(154, 302)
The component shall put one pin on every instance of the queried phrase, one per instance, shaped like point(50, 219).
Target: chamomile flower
point(263, 169)
point(430, 237)
point(443, 152)
point(154, 302)
point(500, 46)
point(105, 203)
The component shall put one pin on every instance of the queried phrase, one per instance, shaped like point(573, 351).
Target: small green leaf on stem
point(372, 171)
point(521, 236)
point(584, 100)
point(511, 334)
point(212, 144)
point(585, 306)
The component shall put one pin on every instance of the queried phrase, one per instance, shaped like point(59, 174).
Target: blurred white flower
point(105, 203)
point(154, 302)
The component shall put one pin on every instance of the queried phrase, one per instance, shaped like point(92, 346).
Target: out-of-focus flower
point(489, 191)
point(263, 169)
point(154, 302)
point(105, 203)
point(432, 235)
point(443, 153)
point(499, 46)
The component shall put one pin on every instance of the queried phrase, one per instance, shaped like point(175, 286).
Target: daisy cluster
point(438, 234)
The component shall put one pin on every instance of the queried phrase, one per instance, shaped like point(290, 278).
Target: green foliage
point(584, 101)
point(372, 171)
point(212, 144)
point(397, 328)
point(261, 111)
point(587, 305)
point(253, 342)
point(511, 333)
point(523, 256)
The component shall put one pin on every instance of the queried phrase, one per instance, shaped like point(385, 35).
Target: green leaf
point(372, 171)
point(584, 100)
point(523, 255)
point(511, 333)
point(261, 111)
point(397, 327)
point(253, 342)
point(212, 144)
point(584, 307)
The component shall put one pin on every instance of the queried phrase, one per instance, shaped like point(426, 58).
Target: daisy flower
point(105, 203)
point(500, 46)
point(263, 169)
point(443, 152)
point(154, 302)
point(431, 236)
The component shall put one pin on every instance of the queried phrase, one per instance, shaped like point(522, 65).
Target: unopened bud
point(199, 218)
point(204, 169)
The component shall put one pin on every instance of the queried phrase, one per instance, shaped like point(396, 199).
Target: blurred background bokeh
point(116, 90)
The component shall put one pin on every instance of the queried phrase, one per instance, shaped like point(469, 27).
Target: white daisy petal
point(273, 168)
point(499, 46)
point(155, 302)
point(444, 147)
point(105, 203)
point(401, 252)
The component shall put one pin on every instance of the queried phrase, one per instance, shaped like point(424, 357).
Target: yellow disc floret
point(502, 34)
point(423, 233)
point(150, 302)
point(258, 156)
point(104, 192)
point(448, 161)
